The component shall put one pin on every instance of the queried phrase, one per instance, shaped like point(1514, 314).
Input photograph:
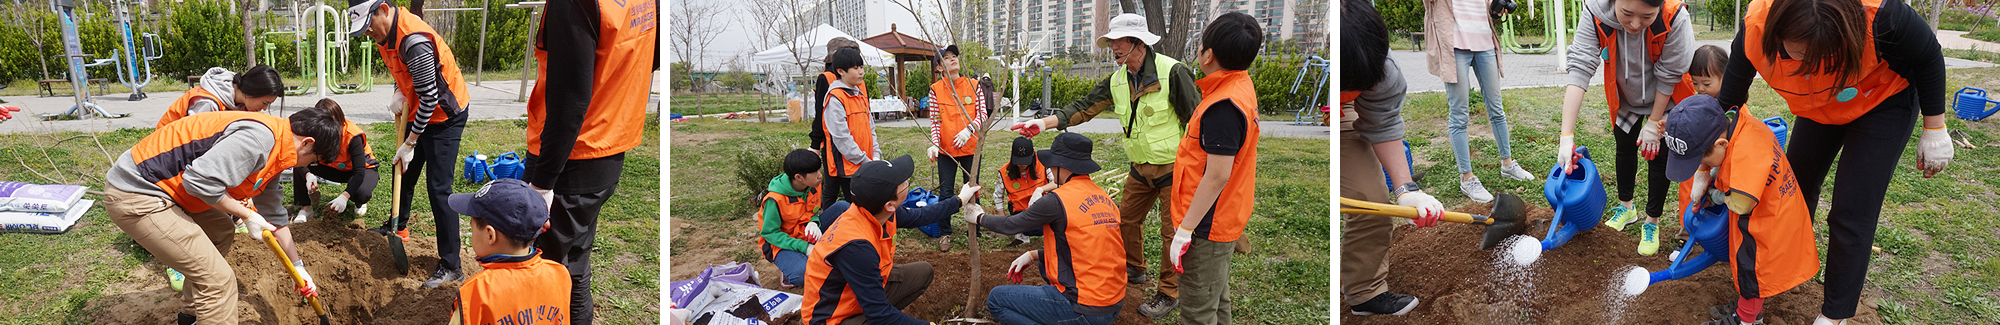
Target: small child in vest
point(1025, 181)
point(787, 222)
point(517, 285)
point(1215, 170)
point(1704, 77)
point(1771, 246)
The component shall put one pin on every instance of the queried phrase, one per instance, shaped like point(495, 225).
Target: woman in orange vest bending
point(1857, 73)
point(221, 90)
point(1643, 47)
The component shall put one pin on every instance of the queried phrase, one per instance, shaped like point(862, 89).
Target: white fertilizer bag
point(43, 222)
point(24, 197)
point(730, 303)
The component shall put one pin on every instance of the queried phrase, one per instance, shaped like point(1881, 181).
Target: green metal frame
point(332, 62)
point(1550, 30)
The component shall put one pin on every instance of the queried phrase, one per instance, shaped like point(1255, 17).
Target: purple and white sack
point(24, 197)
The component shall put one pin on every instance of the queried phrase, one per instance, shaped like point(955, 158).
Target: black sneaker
point(441, 276)
point(1726, 315)
point(184, 319)
point(1159, 306)
point(1386, 303)
point(1136, 276)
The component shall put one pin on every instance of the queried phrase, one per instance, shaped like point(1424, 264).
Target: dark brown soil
point(1444, 268)
point(357, 281)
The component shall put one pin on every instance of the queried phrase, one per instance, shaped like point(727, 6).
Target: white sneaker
point(1475, 190)
point(1514, 171)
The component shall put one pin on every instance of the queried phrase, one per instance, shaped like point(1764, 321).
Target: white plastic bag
point(43, 222)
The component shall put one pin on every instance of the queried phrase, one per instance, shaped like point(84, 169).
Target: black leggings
point(832, 189)
point(948, 172)
point(1628, 165)
point(1878, 138)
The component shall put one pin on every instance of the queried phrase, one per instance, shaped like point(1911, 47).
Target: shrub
point(199, 34)
point(507, 35)
point(1407, 15)
point(756, 163)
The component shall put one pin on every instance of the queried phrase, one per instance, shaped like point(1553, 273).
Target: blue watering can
point(920, 197)
point(509, 165)
point(1779, 128)
point(1972, 103)
point(1578, 198)
point(476, 170)
point(1706, 226)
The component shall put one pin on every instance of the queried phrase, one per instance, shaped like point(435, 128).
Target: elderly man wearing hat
point(851, 274)
point(1083, 265)
point(957, 106)
point(1154, 96)
point(425, 71)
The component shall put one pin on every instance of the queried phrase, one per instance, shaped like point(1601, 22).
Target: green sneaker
point(1620, 215)
point(175, 278)
point(1649, 239)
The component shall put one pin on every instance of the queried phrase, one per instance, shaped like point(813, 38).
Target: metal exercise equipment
point(78, 76)
point(320, 31)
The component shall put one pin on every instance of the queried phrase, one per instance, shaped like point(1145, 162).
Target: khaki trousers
point(1146, 185)
point(193, 244)
point(1364, 239)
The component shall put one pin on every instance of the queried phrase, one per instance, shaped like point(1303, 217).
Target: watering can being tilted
point(1578, 198)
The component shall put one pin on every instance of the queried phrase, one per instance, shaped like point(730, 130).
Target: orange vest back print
point(831, 303)
point(626, 46)
point(1020, 189)
point(1656, 37)
point(351, 134)
point(455, 96)
point(858, 123)
point(1083, 252)
point(1772, 250)
point(1817, 96)
point(179, 108)
point(535, 291)
point(1232, 209)
point(162, 156)
point(958, 102)
point(796, 212)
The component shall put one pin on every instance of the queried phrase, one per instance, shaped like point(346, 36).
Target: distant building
point(866, 18)
point(1073, 25)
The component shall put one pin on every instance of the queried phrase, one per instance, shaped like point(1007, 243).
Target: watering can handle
point(1687, 213)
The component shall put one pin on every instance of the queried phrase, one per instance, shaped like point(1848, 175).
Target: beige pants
point(1364, 239)
point(193, 244)
point(1140, 194)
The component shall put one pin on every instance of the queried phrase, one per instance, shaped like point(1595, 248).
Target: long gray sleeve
point(1675, 55)
point(203, 105)
point(1048, 210)
point(1379, 110)
point(842, 137)
point(1586, 57)
point(1583, 49)
point(241, 152)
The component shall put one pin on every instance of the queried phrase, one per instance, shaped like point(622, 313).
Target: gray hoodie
point(220, 82)
point(240, 152)
point(1656, 77)
point(843, 138)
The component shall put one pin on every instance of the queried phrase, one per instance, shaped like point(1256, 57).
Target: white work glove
point(1030, 128)
point(397, 103)
point(339, 203)
point(972, 214)
point(1182, 238)
point(1429, 210)
point(932, 152)
point(404, 153)
point(303, 214)
point(548, 197)
point(1700, 188)
point(963, 135)
point(1020, 264)
point(1934, 151)
point(257, 227)
point(967, 191)
point(312, 288)
point(813, 235)
point(1045, 188)
point(1649, 139)
point(1565, 146)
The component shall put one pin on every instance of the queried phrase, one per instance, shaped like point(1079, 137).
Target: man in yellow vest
point(1153, 97)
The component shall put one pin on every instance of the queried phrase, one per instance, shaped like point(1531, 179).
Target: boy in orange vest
point(1770, 231)
point(850, 134)
point(787, 221)
point(1217, 166)
point(1082, 256)
point(517, 287)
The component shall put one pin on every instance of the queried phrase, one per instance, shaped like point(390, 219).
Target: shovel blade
point(396, 252)
point(1509, 214)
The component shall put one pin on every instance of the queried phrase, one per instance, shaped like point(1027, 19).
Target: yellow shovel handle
point(1348, 205)
point(272, 240)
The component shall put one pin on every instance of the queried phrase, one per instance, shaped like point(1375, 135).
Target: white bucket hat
point(1128, 25)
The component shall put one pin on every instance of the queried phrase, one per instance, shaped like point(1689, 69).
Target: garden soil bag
point(43, 222)
point(24, 197)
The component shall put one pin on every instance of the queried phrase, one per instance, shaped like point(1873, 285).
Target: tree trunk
point(1174, 42)
point(1123, 7)
point(1156, 19)
point(249, 36)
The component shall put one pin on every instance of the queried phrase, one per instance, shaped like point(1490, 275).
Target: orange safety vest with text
point(535, 291)
point(831, 305)
point(350, 135)
point(1656, 37)
point(162, 156)
point(1020, 189)
point(1772, 248)
point(796, 212)
point(455, 96)
point(1816, 96)
point(858, 123)
point(621, 86)
point(958, 102)
point(179, 108)
point(1225, 220)
point(1082, 253)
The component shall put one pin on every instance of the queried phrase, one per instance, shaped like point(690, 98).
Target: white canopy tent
point(811, 47)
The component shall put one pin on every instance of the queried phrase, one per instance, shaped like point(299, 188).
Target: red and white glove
point(1700, 179)
point(404, 154)
point(1429, 210)
point(932, 152)
point(1649, 139)
point(1021, 263)
point(7, 112)
point(1565, 146)
point(257, 227)
point(963, 135)
point(1182, 238)
point(1031, 128)
point(813, 235)
point(312, 288)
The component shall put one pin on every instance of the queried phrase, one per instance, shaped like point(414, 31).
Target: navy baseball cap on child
point(511, 206)
point(1691, 129)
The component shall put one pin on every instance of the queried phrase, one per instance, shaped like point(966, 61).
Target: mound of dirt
point(950, 279)
point(357, 279)
point(1575, 284)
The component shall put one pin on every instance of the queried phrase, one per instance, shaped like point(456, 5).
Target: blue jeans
point(793, 264)
point(1488, 69)
point(1024, 304)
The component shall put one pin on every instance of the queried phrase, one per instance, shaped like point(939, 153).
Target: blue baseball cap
point(508, 205)
point(1691, 129)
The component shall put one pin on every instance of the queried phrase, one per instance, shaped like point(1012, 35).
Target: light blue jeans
point(1025, 304)
point(1486, 65)
point(793, 264)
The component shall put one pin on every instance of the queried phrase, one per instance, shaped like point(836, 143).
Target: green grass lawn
point(47, 279)
point(1282, 282)
point(1941, 245)
point(724, 103)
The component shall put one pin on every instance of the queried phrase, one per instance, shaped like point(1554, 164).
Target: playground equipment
point(1555, 14)
point(313, 36)
point(1320, 72)
point(1972, 104)
point(135, 60)
point(1578, 198)
point(78, 76)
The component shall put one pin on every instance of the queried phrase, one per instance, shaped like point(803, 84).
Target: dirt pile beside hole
point(357, 281)
point(1444, 268)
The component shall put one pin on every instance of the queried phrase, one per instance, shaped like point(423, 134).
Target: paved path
point(494, 100)
point(1952, 39)
point(1539, 70)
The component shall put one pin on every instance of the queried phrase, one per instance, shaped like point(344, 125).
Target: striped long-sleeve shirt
point(420, 55)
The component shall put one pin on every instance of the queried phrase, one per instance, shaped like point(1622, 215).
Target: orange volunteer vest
point(1817, 96)
point(179, 109)
point(858, 123)
point(1772, 249)
point(351, 134)
point(626, 45)
point(796, 212)
point(1089, 256)
point(1232, 209)
point(958, 104)
point(1019, 190)
point(535, 291)
point(1683, 90)
point(1656, 37)
point(456, 97)
point(832, 303)
point(162, 156)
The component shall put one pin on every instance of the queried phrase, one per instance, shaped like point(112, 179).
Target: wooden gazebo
point(905, 48)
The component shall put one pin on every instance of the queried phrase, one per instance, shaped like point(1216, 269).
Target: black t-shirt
point(1223, 129)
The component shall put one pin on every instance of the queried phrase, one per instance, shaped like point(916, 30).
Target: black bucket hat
point(1070, 151)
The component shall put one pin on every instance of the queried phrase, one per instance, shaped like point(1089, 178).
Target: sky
point(738, 39)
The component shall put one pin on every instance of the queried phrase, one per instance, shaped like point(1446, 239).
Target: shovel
point(1506, 220)
point(396, 207)
point(272, 240)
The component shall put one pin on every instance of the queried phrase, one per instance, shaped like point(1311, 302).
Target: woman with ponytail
point(221, 90)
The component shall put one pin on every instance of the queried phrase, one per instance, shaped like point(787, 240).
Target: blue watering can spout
point(1578, 198)
point(1707, 228)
